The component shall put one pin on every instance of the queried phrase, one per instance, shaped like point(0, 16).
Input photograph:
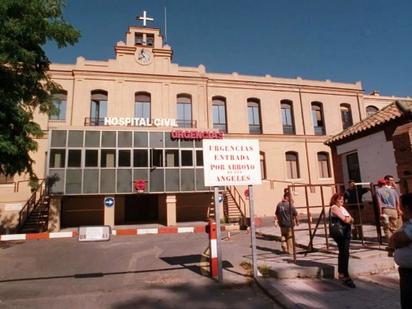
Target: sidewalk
point(310, 282)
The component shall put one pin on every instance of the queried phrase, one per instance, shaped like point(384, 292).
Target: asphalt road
point(148, 271)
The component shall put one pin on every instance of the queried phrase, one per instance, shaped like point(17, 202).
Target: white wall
point(376, 157)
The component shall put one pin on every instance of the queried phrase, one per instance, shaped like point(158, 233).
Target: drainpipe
point(304, 133)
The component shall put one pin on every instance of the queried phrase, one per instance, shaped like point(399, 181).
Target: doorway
point(142, 208)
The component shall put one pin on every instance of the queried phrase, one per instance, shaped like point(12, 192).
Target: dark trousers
point(405, 282)
point(343, 257)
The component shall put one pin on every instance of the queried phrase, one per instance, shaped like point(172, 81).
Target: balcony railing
point(89, 121)
point(319, 130)
point(288, 130)
point(220, 127)
point(255, 129)
point(181, 123)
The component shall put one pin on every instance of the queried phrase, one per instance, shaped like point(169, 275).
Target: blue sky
point(340, 40)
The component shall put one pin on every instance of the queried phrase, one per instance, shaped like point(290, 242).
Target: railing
point(255, 129)
point(181, 123)
point(239, 201)
point(221, 127)
point(31, 204)
point(319, 130)
point(88, 121)
point(288, 129)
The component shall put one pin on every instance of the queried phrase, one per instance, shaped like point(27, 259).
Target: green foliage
point(25, 87)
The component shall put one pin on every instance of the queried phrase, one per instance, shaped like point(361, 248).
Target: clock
point(143, 56)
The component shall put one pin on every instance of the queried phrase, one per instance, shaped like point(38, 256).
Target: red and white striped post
point(214, 265)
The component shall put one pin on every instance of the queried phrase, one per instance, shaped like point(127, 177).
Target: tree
point(25, 87)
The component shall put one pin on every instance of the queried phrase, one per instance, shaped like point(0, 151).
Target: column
point(54, 214)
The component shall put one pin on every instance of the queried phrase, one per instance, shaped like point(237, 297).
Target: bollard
point(213, 250)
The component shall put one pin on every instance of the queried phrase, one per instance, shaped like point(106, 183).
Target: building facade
point(132, 128)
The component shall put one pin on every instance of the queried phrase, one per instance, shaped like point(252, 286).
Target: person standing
point(353, 201)
point(287, 217)
point(339, 213)
point(388, 202)
point(401, 240)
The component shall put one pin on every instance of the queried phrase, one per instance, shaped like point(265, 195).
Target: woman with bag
point(340, 230)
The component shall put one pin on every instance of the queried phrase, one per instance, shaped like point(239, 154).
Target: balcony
point(181, 123)
point(319, 130)
point(220, 126)
point(288, 130)
point(88, 121)
point(255, 129)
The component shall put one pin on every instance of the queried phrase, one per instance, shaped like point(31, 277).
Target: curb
point(121, 232)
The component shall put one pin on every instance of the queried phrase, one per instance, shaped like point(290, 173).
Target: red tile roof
point(385, 115)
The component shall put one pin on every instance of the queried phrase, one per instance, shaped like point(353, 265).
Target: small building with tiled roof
point(364, 152)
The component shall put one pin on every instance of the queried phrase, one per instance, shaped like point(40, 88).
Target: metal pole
point(218, 236)
point(252, 231)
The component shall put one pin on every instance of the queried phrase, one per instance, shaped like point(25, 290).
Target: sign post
point(252, 231)
point(232, 162)
point(218, 234)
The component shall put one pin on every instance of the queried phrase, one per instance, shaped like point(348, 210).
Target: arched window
point(142, 105)
point(324, 166)
point(286, 109)
point(59, 103)
point(253, 108)
point(98, 107)
point(292, 165)
point(346, 114)
point(184, 111)
point(219, 113)
point(262, 164)
point(317, 118)
point(370, 110)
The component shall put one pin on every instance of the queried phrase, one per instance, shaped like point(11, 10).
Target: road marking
point(185, 230)
point(14, 237)
point(147, 231)
point(60, 234)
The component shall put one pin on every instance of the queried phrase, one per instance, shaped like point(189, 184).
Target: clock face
point(143, 56)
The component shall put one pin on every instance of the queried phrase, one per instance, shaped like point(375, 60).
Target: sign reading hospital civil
point(231, 162)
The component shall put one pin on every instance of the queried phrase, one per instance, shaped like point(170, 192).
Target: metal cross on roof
point(145, 18)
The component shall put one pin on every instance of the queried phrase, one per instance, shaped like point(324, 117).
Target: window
point(142, 105)
point(140, 158)
point(74, 158)
point(370, 110)
point(324, 167)
point(124, 158)
point(108, 158)
point(187, 157)
point(317, 118)
point(172, 157)
point(346, 114)
point(286, 109)
point(156, 157)
point(57, 158)
point(292, 165)
point(59, 103)
point(98, 107)
point(184, 111)
point(262, 165)
point(199, 157)
point(91, 158)
point(219, 114)
point(253, 108)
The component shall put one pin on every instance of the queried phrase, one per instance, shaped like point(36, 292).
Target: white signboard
point(94, 233)
point(231, 162)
